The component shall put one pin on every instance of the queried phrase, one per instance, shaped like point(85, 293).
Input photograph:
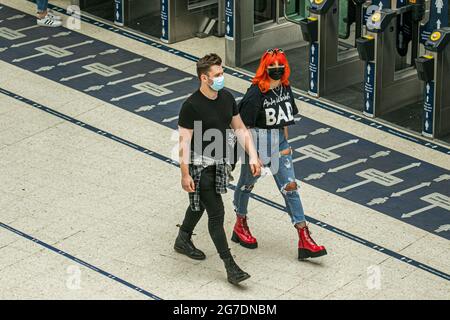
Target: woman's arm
point(246, 141)
point(286, 132)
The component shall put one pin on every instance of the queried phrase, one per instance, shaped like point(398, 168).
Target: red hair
point(262, 78)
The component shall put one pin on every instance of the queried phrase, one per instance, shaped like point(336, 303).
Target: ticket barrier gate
point(388, 85)
point(434, 69)
point(330, 69)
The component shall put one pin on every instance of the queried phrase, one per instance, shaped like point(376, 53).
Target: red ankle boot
point(307, 248)
point(242, 234)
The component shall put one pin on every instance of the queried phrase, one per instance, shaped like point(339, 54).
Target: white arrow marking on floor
point(3, 49)
point(144, 108)
point(1, 21)
point(163, 103)
point(319, 131)
point(159, 70)
point(28, 42)
point(109, 51)
point(328, 149)
point(315, 176)
point(353, 186)
point(176, 81)
point(61, 34)
point(444, 227)
point(239, 99)
point(28, 28)
point(380, 154)
point(377, 201)
point(419, 186)
point(126, 62)
point(76, 60)
point(350, 164)
point(412, 165)
point(127, 96)
point(170, 119)
point(442, 178)
point(46, 68)
point(413, 213)
point(79, 44)
point(93, 88)
point(76, 76)
point(43, 53)
point(17, 16)
point(298, 138)
point(343, 144)
point(111, 83)
point(91, 72)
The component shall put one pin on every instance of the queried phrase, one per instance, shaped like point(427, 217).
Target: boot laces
point(246, 228)
point(234, 266)
point(308, 236)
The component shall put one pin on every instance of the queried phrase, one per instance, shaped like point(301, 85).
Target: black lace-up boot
point(234, 273)
point(184, 245)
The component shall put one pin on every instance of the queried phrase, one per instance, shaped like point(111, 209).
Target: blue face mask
point(218, 83)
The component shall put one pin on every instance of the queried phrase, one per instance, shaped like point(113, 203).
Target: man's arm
point(245, 140)
point(184, 155)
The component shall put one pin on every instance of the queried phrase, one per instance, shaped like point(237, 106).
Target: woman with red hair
point(268, 108)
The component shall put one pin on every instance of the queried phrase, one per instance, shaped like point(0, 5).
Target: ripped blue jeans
point(271, 144)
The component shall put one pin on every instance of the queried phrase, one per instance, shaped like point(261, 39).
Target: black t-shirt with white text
point(215, 117)
point(274, 109)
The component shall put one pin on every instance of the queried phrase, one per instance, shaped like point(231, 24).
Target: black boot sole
point(305, 254)
point(237, 281)
point(180, 250)
point(235, 238)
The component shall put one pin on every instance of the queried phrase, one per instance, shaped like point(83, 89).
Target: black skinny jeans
point(212, 202)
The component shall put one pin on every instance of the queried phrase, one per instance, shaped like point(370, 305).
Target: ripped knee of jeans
point(286, 152)
point(247, 187)
point(289, 188)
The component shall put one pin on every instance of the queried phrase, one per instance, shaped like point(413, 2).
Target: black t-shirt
point(214, 117)
point(274, 109)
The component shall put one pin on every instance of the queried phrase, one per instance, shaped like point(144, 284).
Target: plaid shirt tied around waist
point(223, 176)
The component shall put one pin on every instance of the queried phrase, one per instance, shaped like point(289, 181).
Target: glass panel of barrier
point(344, 23)
point(296, 9)
point(264, 11)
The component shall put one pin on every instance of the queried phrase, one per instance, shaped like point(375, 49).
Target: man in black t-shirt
point(204, 123)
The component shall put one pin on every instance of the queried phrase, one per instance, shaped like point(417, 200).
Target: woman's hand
point(255, 166)
point(187, 183)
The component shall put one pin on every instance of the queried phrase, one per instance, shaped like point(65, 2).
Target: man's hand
point(187, 183)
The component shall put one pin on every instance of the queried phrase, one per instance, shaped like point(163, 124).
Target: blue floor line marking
point(304, 97)
point(268, 202)
point(412, 191)
point(81, 262)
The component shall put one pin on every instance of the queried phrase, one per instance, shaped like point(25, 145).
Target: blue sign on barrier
point(369, 89)
point(119, 18)
point(229, 19)
point(428, 110)
point(438, 19)
point(314, 69)
point(165, 20)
